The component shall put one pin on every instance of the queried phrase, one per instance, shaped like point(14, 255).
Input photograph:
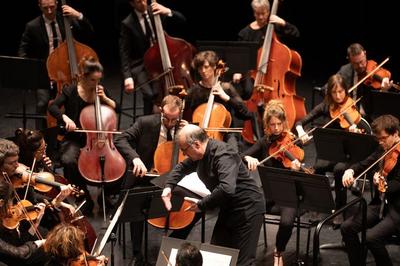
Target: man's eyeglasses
point(168, 120)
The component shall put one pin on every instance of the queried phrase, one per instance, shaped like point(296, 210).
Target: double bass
point(170, 58)
point(275, 76)
point(62, 63)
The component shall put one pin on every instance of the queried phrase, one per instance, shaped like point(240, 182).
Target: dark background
point(327, 27)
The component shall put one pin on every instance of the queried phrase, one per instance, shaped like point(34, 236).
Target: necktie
point(169, 136)
point(149, 33)
point(55, 38)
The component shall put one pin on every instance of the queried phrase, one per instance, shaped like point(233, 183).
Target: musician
point(65, 246)
point(37, 41)
point(188, 255)
point(255, 31)
point(74, 98)
point(138, 144)
point(205, 63)
point(386, 130)
point(240, 201)
point(23, 253)
point(275, 127)
point(136, 36)
point(337, 94)
point(355, 70)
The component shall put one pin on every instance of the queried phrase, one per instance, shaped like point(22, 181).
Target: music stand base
point(337, 245)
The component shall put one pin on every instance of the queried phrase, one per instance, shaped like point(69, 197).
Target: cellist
point(383, 215)
point(206, 63)
point(74, 98)
point(43, 34)
point(136, 36)
point(138, 144)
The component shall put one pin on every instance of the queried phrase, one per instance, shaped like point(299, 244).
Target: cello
point(212, 114)
point(171, 59)
point(166, 156)
point(99, 161)
point(62, 63)
point(277, 68)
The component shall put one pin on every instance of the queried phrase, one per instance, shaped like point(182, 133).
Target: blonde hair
point(275, 108)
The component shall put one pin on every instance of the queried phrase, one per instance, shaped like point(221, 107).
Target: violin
point(346, 118)
point(42, 182)
point(389, 161)
point(375, 80)
point(85, 259)
point(284, 150)
point(23, 210)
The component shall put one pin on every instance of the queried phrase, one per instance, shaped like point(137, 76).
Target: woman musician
point(276, 130)
point(336, 101)
point(379, 227)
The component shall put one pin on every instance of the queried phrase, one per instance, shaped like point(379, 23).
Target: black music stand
point(168, 244)
point(26, 74)
point(381, 103)
point(342, 146)
point(145, 203)
point(297, 190)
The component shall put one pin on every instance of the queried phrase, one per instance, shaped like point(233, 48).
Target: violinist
point(336, 99)
point(206, 64)
point(43, 34)
point(19, 253)
point(136, 36)
point(239, 199)
point(138, 144)
point(74, 98)
point(255, 32)
point(356, 69)
point(276, 129)
point(65, 246)
point(387, 178)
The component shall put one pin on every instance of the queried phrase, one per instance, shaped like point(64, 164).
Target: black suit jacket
point(140, 140)
point(35, 42)
point(133, 43)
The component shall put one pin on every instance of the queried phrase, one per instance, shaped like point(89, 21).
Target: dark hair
point(201, 57)
point(88, 66)
point(7, 149)
point(189, 255)
point(334, 81)
point(387, 123)
point(28, 142)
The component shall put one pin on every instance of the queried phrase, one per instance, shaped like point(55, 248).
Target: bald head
point(190, 133)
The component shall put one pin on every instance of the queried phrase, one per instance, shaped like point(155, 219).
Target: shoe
point(278, 259)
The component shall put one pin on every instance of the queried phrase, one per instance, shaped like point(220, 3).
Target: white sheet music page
point(193, 183)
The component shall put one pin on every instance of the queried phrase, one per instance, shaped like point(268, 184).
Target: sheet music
point(209, 258)
point(193, 183)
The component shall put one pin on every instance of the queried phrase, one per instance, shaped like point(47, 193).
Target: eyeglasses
point(382, 138)
point(185, 149)
point(169, 120)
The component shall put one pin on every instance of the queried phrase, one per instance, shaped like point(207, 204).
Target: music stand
point(168, 244)
point(297, 190)
point(34, 76)
point(145, 203)
point(381, 103)
point(239, 56)
point(342, 146)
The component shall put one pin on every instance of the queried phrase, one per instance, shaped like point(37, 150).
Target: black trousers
point(378, 231)
point(288, 216)
point(236, 230)
point(322, 166)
